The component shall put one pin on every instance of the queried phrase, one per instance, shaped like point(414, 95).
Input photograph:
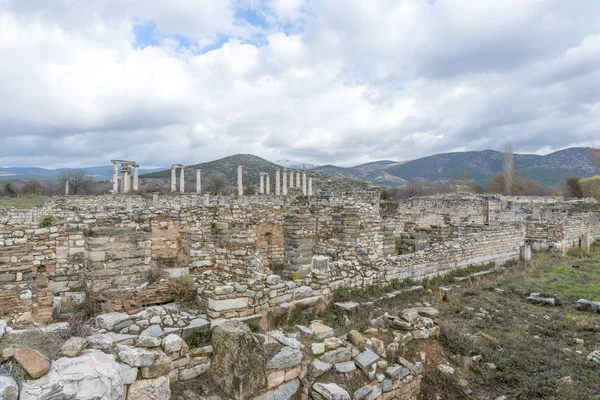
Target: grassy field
point(529, 351)
point(24, 203)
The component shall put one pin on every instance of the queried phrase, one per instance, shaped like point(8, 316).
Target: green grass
point(24, 203)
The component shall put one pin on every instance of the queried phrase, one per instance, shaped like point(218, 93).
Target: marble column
point(182, 179)
point(268, 184)
point(310, 191)
point(304, 183)
point(136, 179)
point(298, 179)
point(262, 183)
point(291, 179)
point(173, 179)
point(240, 184)
point(198, 182)
point(115, 172)
point(277, 183)
point(126, 178)
point(67, 188)
point(284, 187)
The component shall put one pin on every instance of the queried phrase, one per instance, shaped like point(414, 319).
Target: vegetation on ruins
point(182, 289)
point(48, 221)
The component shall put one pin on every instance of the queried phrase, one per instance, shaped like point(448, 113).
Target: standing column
point(284, 187)
point(115, 177)
point(67, 188)
point(310, 191)
point(182, 179)
point(291, 179)
point(239, 182)
point(136, 179)
point(126, 179)
point(198, 182)
point(173, 179)
point(298, 179)
point(268, 184)
point(262, 183)
point(304, 183)
point(277, 183)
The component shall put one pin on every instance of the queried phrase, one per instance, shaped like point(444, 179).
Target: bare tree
point(414, 187)
point(508, 171)
point(216, 183)
point(80, 182)
point(32, 188)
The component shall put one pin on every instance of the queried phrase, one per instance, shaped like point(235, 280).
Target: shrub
point(48, 221)
point(182, 289)
point(155, 274)
point(77, 327)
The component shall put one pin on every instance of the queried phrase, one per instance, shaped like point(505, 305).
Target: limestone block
point(228, 304)
point(150, 389)
point(35, 363)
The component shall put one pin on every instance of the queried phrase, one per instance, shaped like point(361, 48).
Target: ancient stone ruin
point(251, 259)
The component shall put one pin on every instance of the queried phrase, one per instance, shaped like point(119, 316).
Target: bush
point(48, 221)
point(155, 274)
point(182, 289)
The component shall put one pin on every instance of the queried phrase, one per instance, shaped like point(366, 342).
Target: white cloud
point(322, 80)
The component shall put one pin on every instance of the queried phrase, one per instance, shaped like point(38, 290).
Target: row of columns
point(306, 184)
point(126, 168)
point(182, 179)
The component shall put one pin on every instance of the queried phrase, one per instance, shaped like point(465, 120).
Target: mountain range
point(478, 166)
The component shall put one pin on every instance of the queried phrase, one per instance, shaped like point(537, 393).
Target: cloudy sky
point(323, 81)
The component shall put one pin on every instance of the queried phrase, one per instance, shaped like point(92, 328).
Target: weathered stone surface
point(427, 311)
point(409, 315)
point(35, 363)
point(445, 369)
point(150, 389)
point(582, 304)
point(3, 326)
point(330, 391)
point(193, 372)
point(153, 331)
point(284, 340)
point(275, 378)
point(128, 373)
point(336, 356)
point(320, 331)
point(282, 392)
point(195, 326)
point(379, 347)
point(137, 357)
point(333, 343)
point(362, 392)
point(161, 366)
point(9, 390)
point(357, 339)
point(73, 346)
point(366, 359)
point(108, 321)
point(345, 367)
point(227, 304)
point(100, 342)
point(286, 358)
point(171, 343)
point(148, 341)
point(317, 348)
point(92, 375)
point(318, 368)
point(238, 360)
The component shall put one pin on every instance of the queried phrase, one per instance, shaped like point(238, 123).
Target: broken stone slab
point(286, 358)
point(320, 331)
point(345, 367)
point(535, 298)
point(330, 391)
point(91, 375)
point(280, 337)
point(366, 359)
point(148, 341)
point(590, 305)
point(409, 315)
point(427, 311)
point(150, 389)
point(136, 356)
point(336, 356)
point(153, 331)
point(100, 341)
point(594, 356)
point(108, 321)
point(347, 305)
point(317, 368)
point(362, 392)
point(73, 346)
point(35, 363)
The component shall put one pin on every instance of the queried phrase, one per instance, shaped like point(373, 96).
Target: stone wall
point(105, 245)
